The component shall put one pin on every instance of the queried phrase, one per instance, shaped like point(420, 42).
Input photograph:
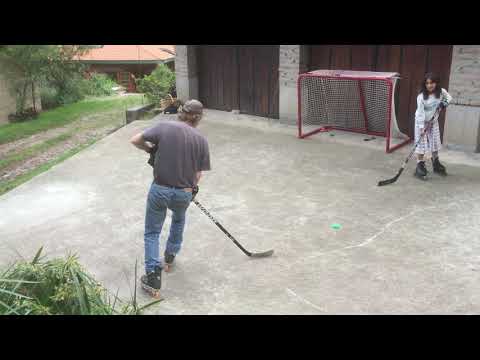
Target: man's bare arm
point(140, 142)
point(199, 175)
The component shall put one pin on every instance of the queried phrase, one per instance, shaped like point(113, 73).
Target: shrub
point(75, 89)
point(100, 85)
point(158, 84)
point(72, 90)
point(25, 66)
point(49, 97)
point(57, 287)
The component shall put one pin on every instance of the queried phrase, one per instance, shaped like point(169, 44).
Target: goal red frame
point(354, 75)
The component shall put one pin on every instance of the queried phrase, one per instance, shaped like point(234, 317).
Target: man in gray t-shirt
point(182, 152)
point(181, 156)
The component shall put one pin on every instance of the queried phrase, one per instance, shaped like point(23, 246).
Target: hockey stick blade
point(262, 254)
point(388, 181)
point(395, 178)
point(392, 180)
point(230, 236)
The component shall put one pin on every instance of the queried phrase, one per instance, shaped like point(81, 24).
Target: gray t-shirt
point(182, 152)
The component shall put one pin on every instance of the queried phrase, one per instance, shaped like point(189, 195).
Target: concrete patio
point(409, 248)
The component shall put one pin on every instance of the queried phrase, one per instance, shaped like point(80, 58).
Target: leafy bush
point(70, 91)
point(75, 89)
point(57, 287)
point(49, 97)
point(158, 84)
point(25, 66)
point(100, 85)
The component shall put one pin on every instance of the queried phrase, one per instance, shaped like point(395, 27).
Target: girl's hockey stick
point(248, 253)
point(395, 178)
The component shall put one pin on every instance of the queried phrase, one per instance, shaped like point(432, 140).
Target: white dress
point(425, 109)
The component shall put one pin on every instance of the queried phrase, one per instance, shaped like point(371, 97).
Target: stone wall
point(293, 61)
point(291, 64)
point(465, 75)
point(186, 72)
point(462, 127)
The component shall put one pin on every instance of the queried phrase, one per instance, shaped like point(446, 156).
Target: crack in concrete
point(385, 227)
point(305, 301)
point(388, 225)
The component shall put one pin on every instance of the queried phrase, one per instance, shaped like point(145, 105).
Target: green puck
point(332, 134)
point(336, 226)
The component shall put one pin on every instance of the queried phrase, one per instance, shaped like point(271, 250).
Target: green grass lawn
point(63, 115)
point(106, 110)
point(9, 185)
point(33, 150)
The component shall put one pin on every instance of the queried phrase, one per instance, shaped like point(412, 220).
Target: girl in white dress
point(431, 97)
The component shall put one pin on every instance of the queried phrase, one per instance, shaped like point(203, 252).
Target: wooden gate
point(240, 77)
point(125, 79)
point(411, 61)
point(217, 77)
point(258, 80)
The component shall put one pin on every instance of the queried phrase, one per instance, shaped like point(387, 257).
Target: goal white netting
point(358, 101)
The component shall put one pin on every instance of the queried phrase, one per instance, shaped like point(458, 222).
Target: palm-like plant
point(59, 286)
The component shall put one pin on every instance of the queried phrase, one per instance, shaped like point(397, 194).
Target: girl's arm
point(446, 98)
point(420, 113)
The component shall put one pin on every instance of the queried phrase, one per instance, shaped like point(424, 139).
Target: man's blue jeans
point(159, 199)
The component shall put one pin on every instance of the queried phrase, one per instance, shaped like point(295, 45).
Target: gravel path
point(92, 127)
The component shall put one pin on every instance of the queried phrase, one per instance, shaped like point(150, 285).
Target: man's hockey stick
point(248, 253)
point(151, 162)
point(395, 178)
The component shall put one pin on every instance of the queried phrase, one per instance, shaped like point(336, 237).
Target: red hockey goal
point(358, 101)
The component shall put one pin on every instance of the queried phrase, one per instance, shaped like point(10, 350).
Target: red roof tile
point(130, 53)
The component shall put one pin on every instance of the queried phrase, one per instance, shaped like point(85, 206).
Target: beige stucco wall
point(7, 101)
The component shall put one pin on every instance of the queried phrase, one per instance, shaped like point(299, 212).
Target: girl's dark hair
point(434, 78)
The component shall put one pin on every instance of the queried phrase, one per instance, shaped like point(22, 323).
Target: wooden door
point(439, 60)
point(258, 80)
point(240, 77)
point(125, 79)
point(217, 67)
